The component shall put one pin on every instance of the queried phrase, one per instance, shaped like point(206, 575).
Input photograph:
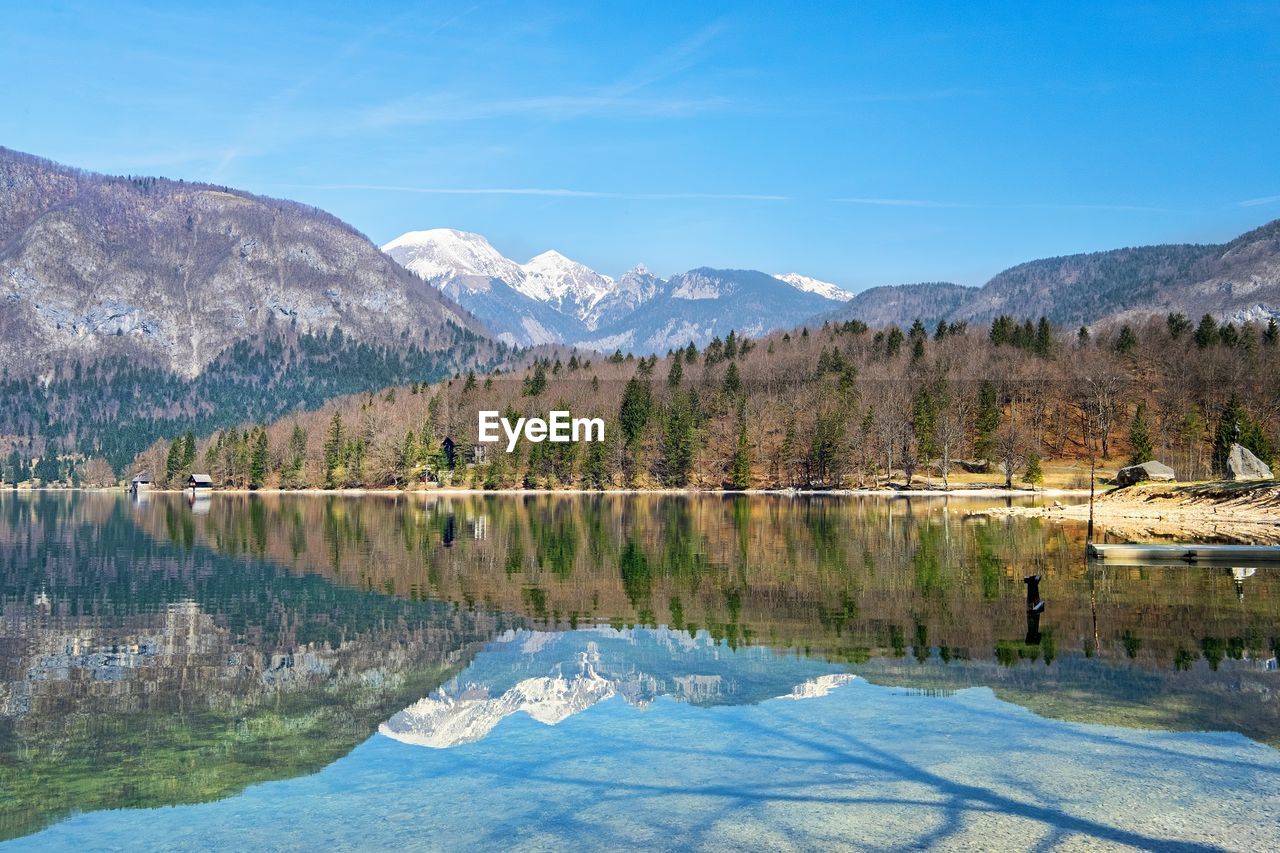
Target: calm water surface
point(614, 672)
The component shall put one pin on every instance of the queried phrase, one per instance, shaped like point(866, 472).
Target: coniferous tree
point(740, 468)
point(1033, 473)
point(1044, 338)
point(732, 380)
point(334, 445)
point(675, 374)
point(924, 424)
point(1140, 437)
point(1206, 332)
point(678, 442)
point(258, 460)
point(1126, 340)
point(536, 384)
point(893, 341)
point(633, 415)
point(988, 420)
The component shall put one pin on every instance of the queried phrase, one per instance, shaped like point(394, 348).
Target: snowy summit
point(825, 289)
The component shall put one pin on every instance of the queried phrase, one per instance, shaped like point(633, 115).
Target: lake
point(612, 672)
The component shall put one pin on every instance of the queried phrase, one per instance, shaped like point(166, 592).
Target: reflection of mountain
point(856, 580)
point(584, 667)
point(138, 671)
point(150, 655)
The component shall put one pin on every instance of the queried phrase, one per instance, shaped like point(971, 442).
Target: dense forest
point(831, 407)
point(86, 422)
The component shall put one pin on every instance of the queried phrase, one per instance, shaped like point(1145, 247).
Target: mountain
point(1238, 280)
point(172, 273)
point(553, 299)
point(930, 301)
point(566, 285)
point(497, 290)
point(705, 303)
point(553, 676)
point(825, 289)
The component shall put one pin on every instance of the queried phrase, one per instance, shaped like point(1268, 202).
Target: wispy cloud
point(900, 202)
point(623, 97)
point(431, 109)
point(907, 96)
point(932, 203)
point(556, 192)
point(1259, 202)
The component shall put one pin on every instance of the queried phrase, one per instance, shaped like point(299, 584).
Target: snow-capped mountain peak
point(825, 289)
point(446, 252)
point(554, 299)
point(555, 279)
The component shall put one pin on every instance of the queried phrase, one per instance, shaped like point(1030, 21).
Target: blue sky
point(863, 143)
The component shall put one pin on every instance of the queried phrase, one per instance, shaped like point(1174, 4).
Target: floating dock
point(1223, 555)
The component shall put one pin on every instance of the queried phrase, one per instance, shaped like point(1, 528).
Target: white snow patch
point(820, 686)
point(825, 289)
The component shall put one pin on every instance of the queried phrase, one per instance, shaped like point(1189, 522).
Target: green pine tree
point(988, 420)
point(1033, 473)
point(740, 468)
point(258, 460)
point(1140, 437)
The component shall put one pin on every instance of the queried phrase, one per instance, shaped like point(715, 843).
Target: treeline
point(87, 422)
point(831, 407)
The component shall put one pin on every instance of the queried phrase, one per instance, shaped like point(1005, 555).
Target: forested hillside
point(836, 406)
point(81, 421)
point(1237, 280)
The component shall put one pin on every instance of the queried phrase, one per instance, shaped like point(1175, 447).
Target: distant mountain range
point(173, 273)
point(1238, 280)
point(553, 299)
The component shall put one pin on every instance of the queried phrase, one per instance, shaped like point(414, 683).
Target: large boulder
point(1151, 470)
point(1243, 465)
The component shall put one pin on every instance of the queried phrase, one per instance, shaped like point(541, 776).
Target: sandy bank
point(1226, 511)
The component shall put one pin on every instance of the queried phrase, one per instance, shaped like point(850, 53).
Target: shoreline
point(1247, 512)
point(998, 492)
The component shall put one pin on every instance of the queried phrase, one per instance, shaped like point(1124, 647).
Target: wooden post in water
point(1093, 466)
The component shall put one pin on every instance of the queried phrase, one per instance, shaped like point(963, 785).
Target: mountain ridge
point(1237, 280)
point(636, 310)
point(173, 273)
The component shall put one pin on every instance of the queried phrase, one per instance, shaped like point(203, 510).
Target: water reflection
point(591, 738)
point(552, 676)
point(159, 651)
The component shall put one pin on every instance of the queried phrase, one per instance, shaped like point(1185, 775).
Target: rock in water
point(1243, 465)
point(1151, 470)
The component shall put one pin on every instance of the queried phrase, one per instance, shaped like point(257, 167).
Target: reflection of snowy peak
point(554, 299)
point(443, 721)
point(820, 686)
point(551, 676)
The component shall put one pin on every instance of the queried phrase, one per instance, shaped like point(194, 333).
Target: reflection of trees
point(914, 591)
point(834, 576)
point(147, 669)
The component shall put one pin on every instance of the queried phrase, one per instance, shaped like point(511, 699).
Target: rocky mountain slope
point(172, 273)
point(706, 303)
point(1238, 280)
point(553, 299)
